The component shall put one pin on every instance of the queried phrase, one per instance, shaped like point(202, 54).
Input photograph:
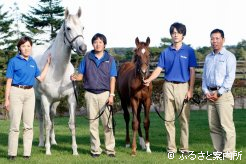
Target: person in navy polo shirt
point(20, 98)
point(98, 72)
point(179, 62)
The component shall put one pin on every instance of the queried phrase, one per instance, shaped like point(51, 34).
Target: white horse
point(57, 83)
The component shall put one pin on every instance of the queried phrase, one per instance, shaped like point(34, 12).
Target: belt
point(213, 88)
point(176, 82)
point(22, 86)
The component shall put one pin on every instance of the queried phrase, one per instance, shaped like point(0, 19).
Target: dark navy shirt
point(22, 71)
point(177, 63)
point(113, 70)
point(97, 72)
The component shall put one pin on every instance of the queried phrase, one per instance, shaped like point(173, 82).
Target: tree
point(44, 19)
point(165, 42)
point(6, 33)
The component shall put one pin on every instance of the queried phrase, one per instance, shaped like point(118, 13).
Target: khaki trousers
point(222, 129)
point(174, 95)
point(94, 104)
point(22, 103)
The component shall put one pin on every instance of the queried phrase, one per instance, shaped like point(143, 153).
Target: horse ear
point(148, 41)
point(79, 12)
point(66, 13)
point(136, 41)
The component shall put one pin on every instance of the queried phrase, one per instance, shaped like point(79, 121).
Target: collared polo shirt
point(219, 70)
point(22, 71)
point(177, 63)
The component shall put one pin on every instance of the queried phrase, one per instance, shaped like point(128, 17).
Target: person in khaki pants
point(20, 98)
point(98, 72)
point(217, 80)
point(179, 62)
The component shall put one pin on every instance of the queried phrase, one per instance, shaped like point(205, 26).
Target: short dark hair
point(180, 28)
point(101, 36)
point(218, 31)
point(23, 40)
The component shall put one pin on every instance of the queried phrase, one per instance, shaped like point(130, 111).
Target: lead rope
point(196, 99)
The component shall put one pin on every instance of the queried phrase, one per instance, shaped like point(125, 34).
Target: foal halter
point(70, 42)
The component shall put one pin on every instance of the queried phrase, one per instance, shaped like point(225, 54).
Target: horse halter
point(70, 42)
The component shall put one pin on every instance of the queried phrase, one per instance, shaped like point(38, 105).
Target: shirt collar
point(104, 58)
point(221, 52)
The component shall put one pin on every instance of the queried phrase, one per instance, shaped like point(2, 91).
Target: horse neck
point(61, 53)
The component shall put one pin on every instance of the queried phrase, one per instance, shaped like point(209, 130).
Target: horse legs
point(39, 111)
point(147, 124)
point(48, 124)
point(141, 140)
point(52, 116)
point(135, 125)
point(127, 120)
point(71, 123)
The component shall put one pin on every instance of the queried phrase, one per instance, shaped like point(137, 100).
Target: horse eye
point(68, 28)
point(83, 28)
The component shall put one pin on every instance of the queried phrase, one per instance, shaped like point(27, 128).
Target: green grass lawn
point(200, 142)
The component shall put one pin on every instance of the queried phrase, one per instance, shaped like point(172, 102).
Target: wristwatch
point(219, 94)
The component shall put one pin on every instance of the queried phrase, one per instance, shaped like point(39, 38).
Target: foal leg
point(135, 125)
point(147, 124)
point(127, 120)
point(71, 123)
point(141, 140)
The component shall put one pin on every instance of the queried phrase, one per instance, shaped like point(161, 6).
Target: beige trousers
point(94, 104)
point(222, 129)
point(22, 103)
point(174, 95)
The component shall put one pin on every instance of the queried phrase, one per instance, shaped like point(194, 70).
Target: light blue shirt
point(219, 71)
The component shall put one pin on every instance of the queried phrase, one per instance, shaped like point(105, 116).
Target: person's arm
point(191, 83)
point(112, 90)
point(7, 91)
point(153, 76)
point(45, 70)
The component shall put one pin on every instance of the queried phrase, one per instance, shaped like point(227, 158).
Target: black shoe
point(95, 155)
point(111, 155)
point(11, 157)
point(184, 152)
point(26, 157)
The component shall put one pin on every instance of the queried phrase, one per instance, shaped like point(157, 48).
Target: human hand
point(6, 105)
point(110, 100)
point(73, 77)
point(49, 58)
point(146, 82)
point(212, 96)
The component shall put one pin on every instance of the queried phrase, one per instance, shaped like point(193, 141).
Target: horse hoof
point(133, 154)
point(48, 153)
point(53, 143)
point(75, 153)
point(148, 150)
point(41, 145)
point(127, 145)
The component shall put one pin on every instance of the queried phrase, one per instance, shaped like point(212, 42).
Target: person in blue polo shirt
point(19, 96)
point(179, 62)
point(98, 72)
